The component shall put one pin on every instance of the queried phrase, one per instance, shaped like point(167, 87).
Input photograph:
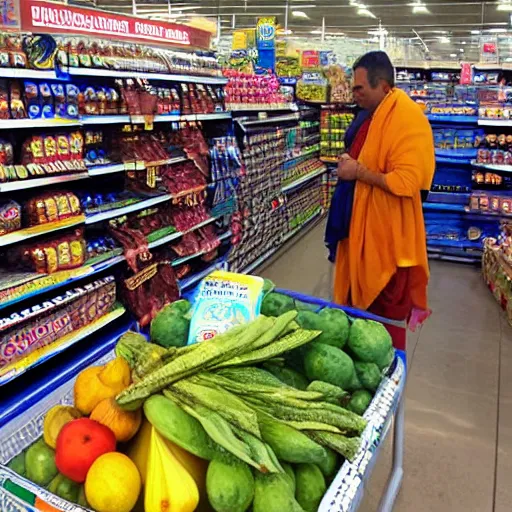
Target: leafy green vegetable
point(329, 364)
point(331, 393)
point(370, 342)
point(207, 354)
point(287, 375)
point(346, 446)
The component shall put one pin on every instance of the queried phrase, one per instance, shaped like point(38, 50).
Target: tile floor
point(458, 447)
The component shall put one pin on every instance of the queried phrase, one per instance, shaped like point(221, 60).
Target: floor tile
point(503, 498)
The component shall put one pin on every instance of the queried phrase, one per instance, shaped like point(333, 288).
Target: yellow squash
point(172, 488)
point(138, 450)
point(196, 468)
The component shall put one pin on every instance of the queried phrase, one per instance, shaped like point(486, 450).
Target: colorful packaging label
point(224, 299)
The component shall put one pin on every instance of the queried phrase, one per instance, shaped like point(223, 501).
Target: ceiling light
point(453, 55)
point(362, 11)
point(420, 9)
point(300, 14)
point(497, 30)
point(316, 32)
point(444, 40)
point(475, 32)
point(284, 32)
point(463, 42)
point(461, 50)
point(504, 5)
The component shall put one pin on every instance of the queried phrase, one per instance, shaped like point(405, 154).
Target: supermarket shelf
point(114, 119)
point(41, 182)
point(264, 257)
point(23, 234)
point(277, 119)
point(167, 118)
point(437, 118)
point(304, 179)
point(495, 122)
point(178, 234)
point(261, 107)
point(302, 155)
point(443, 207)
point(180, 261)
point(328, 160)
point(11, 124)
point(28, 73)
point(432, 255)
point(150, 76)
point(100, 170)
point(118, 212)
point(41, 355)
point(462, 153)
point(449, 197)
point(20, 395)
point(492, 167)
point(454, 244)
point(46, 283)
point(209, 117)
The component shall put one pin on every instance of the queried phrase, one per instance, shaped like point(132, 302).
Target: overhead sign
point(49, 17)
point(266, 32)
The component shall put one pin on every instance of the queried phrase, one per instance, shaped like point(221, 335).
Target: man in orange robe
point(382, 266)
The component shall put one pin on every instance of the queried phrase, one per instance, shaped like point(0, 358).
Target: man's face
point(365, 96)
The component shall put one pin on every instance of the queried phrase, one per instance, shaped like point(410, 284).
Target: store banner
point(49, 17)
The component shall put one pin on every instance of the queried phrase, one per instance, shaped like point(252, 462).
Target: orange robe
point(387, 230)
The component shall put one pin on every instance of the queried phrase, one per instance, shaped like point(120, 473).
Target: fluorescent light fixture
point(475, 32)
point(420, 9)
point(497, 30)
point(453, 55)
point(444, 40)
point(316, 32)
point(283, 32)
point(504, 5)
point(300, 14)
point(363, 11)
point(461, 50)
point(463, 42)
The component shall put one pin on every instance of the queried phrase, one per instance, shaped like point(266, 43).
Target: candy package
point(52, 207)
point(49, 256)
point(10, 216)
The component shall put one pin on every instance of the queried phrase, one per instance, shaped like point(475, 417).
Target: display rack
point(455, 229)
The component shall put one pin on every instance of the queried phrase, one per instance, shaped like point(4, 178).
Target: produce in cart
point(259, 417)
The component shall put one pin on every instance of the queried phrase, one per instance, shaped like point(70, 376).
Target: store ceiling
point(445, 26)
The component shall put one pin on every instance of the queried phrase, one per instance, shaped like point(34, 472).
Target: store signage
point(266, 32)
point(310, 59)
point(49, 17)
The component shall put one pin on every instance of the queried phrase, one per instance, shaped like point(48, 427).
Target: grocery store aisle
point(458, 453)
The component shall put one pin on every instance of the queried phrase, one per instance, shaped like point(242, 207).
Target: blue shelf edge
point(452, 119)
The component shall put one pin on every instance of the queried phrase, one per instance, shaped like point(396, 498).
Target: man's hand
point(347, 167)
